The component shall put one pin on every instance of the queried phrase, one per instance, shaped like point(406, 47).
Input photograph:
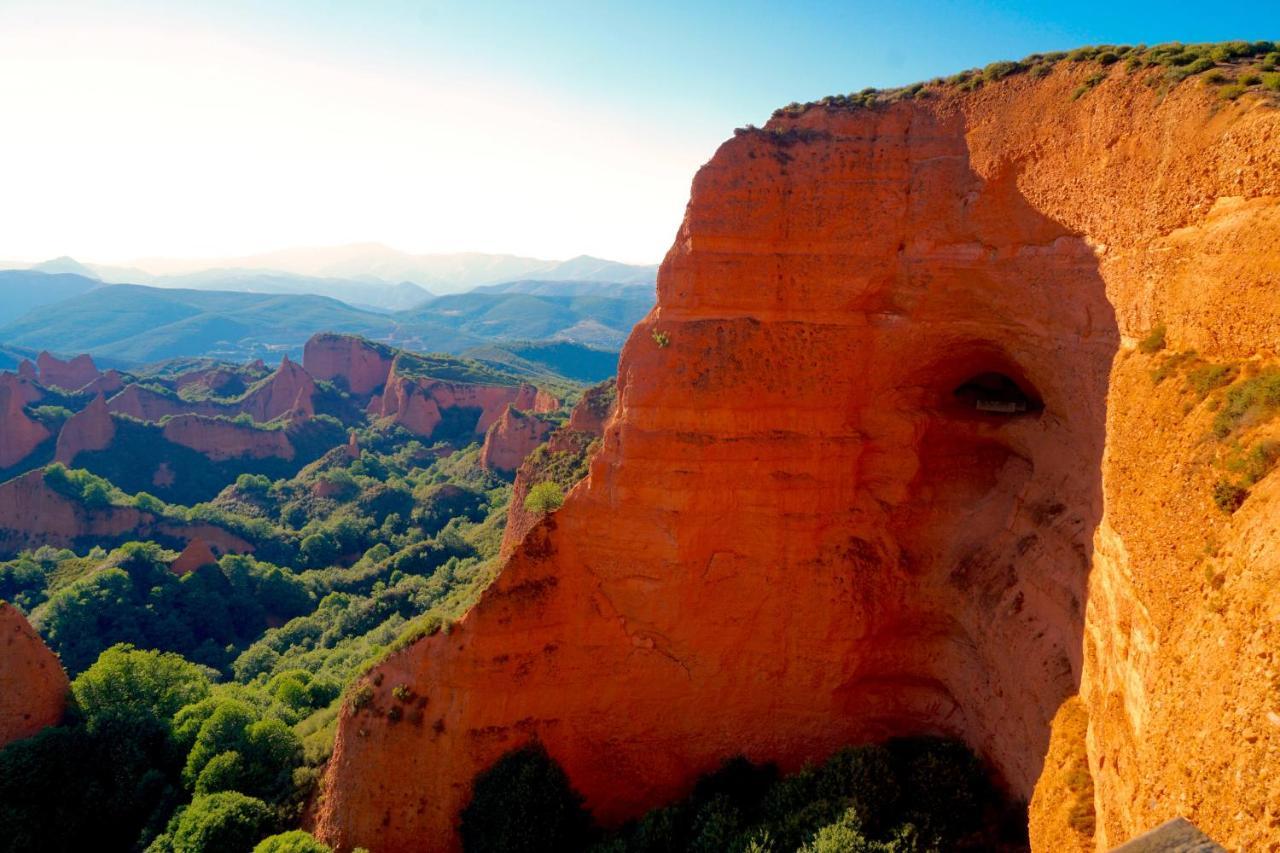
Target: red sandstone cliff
point(33, 514)
point(416, 403)
point(362, 365)
point(511, 438)
point(287, 391)
point(802, 532)
point(195, 555)
point(106, 384)
point(91, 428)
point(570, 448)
point(70, 375)
point(19, 433)
point(33, 687)
point(220, 439)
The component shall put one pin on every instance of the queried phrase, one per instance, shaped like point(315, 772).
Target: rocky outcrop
point(27, 370)
point(33, 687)
point(91, 428)
point(221, 439)
point(511, 438)
point(194, 556)
point(146, 404)
point(33, 514)
point(20, 434)
point(289, 391)
point(884, 462)
point(361, 365)
point(69, 375)
point(417, 404)
point(567, 453)
point(107, 384)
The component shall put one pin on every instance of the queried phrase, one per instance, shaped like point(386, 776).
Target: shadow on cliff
point(1003, 376)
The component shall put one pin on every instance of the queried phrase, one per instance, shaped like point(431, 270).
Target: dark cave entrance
point(993, 393)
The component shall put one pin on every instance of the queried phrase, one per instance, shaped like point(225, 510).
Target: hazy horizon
point(197, 130)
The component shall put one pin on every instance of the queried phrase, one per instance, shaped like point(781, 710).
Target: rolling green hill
point(23, 290)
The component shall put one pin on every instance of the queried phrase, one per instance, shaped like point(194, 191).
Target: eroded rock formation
point(221, 439)
point(91, 428)
point(511, 438)
point(20, 434)
point(194, 556)
point(569, 449)
point(69, 375)
point(33, 687)
point(362, 365)
point(884, 462)
point(32, 514)
point(289, 391)
point(418, 404)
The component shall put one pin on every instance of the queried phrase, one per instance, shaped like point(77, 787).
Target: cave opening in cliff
point(995, 393)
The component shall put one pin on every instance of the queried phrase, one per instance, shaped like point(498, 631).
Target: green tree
point(524, 804)
point(225, 822)
point(295, 841)
point(127, 681)
point(543, 498)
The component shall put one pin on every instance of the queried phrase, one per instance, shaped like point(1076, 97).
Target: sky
point(132, 128)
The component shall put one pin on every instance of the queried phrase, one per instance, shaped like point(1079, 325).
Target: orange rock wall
point(91, 428)
point(363, 366)
point(70, 375)
point(795, 536)
point(19, 434)
point(33, 687)
point(416, 404)
point(585, 426)
point(511, 438)
point(288, 391)
point(32, 514)
point(219, 439)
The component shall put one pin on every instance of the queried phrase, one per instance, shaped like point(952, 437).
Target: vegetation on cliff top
point(1235, 67)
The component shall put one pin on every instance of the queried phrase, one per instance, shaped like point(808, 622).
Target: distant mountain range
point(129, 324)
point(362, 263)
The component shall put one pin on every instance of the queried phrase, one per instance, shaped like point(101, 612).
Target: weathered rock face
point(107, 384)
point(220, 439)
point(362, 365)
point(33, 687)
point(417, 404)
point(33, 514)
point(877, 468)
point(570, 447)
point(511, 438)
point(19, 433)
point(289, 391)
point(195, 555)
point(70, 375)
point(91, 428)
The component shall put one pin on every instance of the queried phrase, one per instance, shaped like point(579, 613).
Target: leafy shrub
point(1248, 402)
point(524, 804)
point(1228, 497)
point(543, 498)
point(225, 822)
point(295, 841)
point(128, 681)
point(1154, 341)
point(1205, 378)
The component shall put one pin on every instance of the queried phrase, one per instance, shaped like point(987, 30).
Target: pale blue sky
point(545, 128)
